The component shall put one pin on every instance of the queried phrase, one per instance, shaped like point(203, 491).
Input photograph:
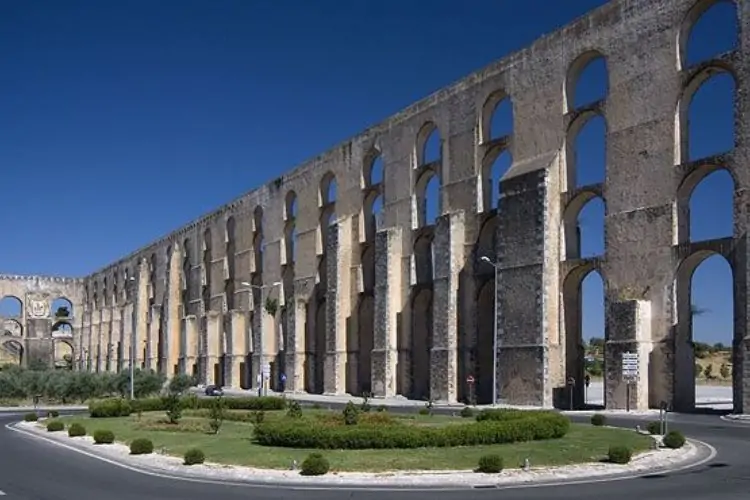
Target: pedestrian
point(282, 380)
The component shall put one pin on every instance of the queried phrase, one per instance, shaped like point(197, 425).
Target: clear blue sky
point(121, 121)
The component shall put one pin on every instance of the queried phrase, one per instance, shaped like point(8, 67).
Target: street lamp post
point(486, 259)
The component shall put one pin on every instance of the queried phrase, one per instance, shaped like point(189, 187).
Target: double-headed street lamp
point(486, 259)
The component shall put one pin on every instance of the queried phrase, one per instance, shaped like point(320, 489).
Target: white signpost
point(266, 370)
point(629, 373)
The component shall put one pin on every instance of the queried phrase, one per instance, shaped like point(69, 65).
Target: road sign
point(470, 379)
point(630, 364)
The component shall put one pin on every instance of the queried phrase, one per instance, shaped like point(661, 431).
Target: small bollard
point(294, 464)
point(526, 464)
point(638, 429)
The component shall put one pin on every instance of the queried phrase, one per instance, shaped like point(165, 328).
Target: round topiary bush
point(104, 436)
point(598, 420)
point(619, 454)
point(55, 426)
point(674, 440)
point(467, 412)
point(53, 414)
point(76, 430)
point(141, 446)
point(31, 417)
point(194, 456)
point(315, 465)
point(654, 428)
point(490, 464)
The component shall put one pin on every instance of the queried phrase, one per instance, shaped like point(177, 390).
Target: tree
point(62, 312)
point(724, 371)
point(708, 371)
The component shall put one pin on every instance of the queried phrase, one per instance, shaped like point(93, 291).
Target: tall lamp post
point(486, 259)
point(260, 337)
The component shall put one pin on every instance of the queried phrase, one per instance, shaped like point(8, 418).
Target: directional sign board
point(630, 365)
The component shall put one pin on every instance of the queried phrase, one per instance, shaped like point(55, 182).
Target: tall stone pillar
point(388, 300)
point(141, 313)
point(85, 347)
point(628, 330)
point(190, 344)
point(152, 343)
point(338, 305)
point(173, 323)
point(96, 341)
point(106, 339)
point(126, 347)
point(448, 251)
point(236, 349)
point(116, 337)
point(523, 375)
point(214, 346)
point(295, 347)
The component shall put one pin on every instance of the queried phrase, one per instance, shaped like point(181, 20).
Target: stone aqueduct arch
point(309, 281)
point(35, 328)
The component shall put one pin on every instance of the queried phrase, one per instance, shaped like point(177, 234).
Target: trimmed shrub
point(619, 454)
point(377, 419)
point(110, 408)
point(424, 411)
point(55, 426)
point(31, 417)
point(285, 433)
point(467, 412)
point(502, 415)
point(104, 436)
point(53, 414)
point(315, 465)
point(194, 456)
point(295, 410)
point(141, 446)
point(76, 430)
point(265, 403)
point(258, 417)
point(490, 464)
point(654, 428)
point(598, 420)
point(674, 440)
point(351, 414)
point(148, 404)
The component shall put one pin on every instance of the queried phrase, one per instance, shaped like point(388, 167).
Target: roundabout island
point(275, 442)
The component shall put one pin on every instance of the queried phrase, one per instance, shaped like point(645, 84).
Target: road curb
point(704, 453)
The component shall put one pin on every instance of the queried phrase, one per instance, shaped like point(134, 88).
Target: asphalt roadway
point(33, 469)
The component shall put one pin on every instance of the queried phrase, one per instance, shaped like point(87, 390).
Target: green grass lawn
point(233, 444)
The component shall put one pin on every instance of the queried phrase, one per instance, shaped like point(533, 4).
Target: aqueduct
point(336, 275)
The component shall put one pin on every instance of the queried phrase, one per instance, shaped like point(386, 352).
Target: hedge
point(117, 407)
point(289, 434)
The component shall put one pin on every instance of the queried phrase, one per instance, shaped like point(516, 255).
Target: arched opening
point(11, 352)
point(366, 315)
point(62, 329)
point(586, 158)
point(587, 81)
point(709, 30)
point(710, 115)
point(583, 222)
point(497, 117)
point(374, 172)
point(207, 271)
point(258, 244)
point(186, 269)
point(485, 345)
point(712, 207)
point(583, 301)
point(63, 354)
point(495, 166)
point(12, 328)
point(62, 308)
point(429, 145)
point(231, 250)
point(11, 307)
point(427, 193)
point(421, 343)
point(712, 330)
point(327, 189)
point(705, 332)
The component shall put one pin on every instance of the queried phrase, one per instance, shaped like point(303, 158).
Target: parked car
point(214, 390)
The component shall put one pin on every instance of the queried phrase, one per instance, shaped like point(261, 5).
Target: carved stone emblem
point(38, 307)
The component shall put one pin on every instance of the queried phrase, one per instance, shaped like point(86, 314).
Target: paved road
point(714, 396)
point(31, 469)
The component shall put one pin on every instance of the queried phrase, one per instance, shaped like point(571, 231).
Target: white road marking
point(2, 493)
